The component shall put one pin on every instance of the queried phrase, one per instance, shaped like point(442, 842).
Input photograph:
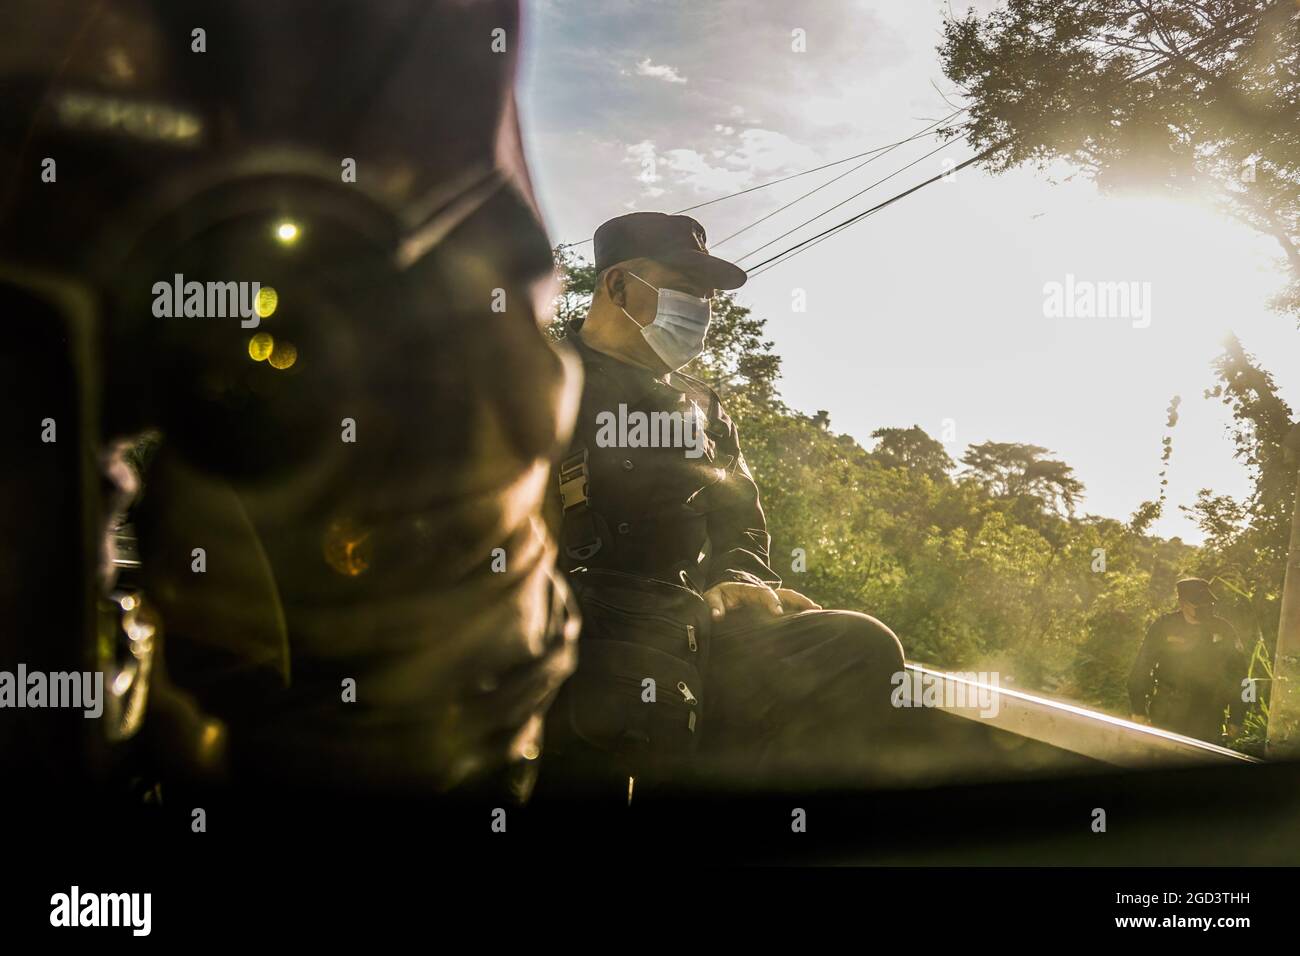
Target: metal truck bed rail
point(1068, 727)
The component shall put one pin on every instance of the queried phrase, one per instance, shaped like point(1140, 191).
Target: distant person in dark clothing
point(1190, 668)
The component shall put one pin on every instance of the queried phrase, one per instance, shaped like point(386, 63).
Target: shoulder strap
point(581, 537)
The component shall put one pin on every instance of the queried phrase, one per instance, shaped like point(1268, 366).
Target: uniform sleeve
point(1139, 678)
point(737, 527)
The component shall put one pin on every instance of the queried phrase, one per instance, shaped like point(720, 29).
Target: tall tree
point(577, 283)
point(1247, 541)
point(912, 449)
point(1199, 96)
point(1012, 470)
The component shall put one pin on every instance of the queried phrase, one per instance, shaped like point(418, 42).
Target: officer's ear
point(614, 282)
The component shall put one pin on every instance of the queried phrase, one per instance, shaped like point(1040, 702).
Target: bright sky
point(933, 309)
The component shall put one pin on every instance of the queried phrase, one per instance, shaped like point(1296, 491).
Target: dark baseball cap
point(1195, 591)
point(676, 241)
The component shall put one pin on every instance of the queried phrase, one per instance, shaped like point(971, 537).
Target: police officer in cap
point(1190, 668)
point(786, 679)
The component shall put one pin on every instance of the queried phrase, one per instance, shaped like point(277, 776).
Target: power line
point(802, 246)
point(784, 256)
point(944, 145)
point(862, 215)
point(790, 255)
point(816, 169)
point(848, 172)
point(954, 113)
point(811, 241)
point(879, 149)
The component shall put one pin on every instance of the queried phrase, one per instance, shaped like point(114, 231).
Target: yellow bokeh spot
point(260, 346)
point(287, 232)
point(283, 355)
point(267, 300)
point(347, 547)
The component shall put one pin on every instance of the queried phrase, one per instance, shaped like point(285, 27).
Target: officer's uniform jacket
point(655, 511)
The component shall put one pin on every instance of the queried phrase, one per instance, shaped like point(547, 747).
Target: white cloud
point(645, 156)
point(659, 71)
point(766, 151)
point(760, 153)
point(695, 171)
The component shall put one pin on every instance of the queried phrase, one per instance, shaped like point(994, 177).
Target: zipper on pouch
point(690, 701)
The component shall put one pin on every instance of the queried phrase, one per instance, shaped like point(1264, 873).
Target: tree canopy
point(1189, 96)
point(910, 449)
point(1011, 470)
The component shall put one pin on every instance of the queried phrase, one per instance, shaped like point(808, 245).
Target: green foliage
point(1014, 471)
point(1191, 98)
point(908, 448)
point(579, 282)
point(1246, 542)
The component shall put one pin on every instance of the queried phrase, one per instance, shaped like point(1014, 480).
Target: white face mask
point(680, 324)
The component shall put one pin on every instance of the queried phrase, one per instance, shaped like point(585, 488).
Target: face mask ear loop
point(625, 311)
point(642, 281)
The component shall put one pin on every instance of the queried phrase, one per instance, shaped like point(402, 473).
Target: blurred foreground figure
point(1190, 669)
point(307, 402)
